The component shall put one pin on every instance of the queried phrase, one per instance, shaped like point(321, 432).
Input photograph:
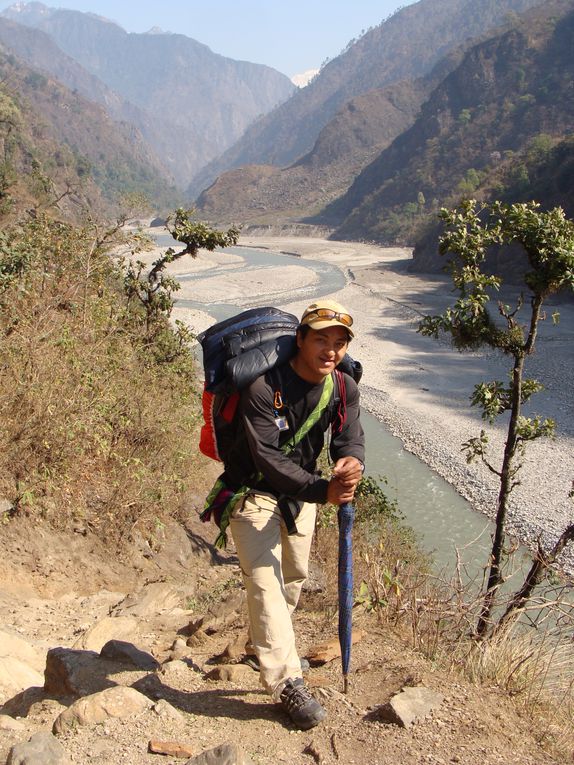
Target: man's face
point(319, 352)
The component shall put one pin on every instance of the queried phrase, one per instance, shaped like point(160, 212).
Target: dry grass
point(532, 660)
point(97, 422)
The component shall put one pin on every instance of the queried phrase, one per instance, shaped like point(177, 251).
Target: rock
point(6, 507)
point(179, 649)
point(41, 749)
point(233, 673)
point(236, 649)
point(220, 614)
point(73, 673)
point(321, 654)
point(106, 629)
point(9, 723)
point(224, 754)
point(164, 709)
point(117, 702)
point(154, 598)
point(14, 647)
point(175, 667)
point(15, 676)
point(199, 638)
point(171, 748)
point(120, 650)
point(410, 705)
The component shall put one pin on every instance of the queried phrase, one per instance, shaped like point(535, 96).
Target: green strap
point(313, 418)
point(287, 448)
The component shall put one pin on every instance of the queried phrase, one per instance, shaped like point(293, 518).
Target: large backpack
point(235, 353)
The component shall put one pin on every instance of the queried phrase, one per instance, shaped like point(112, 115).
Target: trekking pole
point(346, 516)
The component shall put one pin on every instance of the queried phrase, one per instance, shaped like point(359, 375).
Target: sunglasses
point(327, 313)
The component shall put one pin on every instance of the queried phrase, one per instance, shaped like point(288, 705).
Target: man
point(286, 484)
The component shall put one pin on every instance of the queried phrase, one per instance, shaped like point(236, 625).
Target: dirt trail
point(55, 587)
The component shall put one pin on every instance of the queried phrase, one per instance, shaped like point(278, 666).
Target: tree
point(547, 239)
point(153, 288)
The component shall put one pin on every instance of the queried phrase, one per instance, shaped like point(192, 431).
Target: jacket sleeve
point(350, 441)
point(280, 472)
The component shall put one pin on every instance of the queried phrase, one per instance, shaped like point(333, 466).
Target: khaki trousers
point(274, 567)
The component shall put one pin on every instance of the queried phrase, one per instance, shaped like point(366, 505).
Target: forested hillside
point(492, 122)
point(55, 145)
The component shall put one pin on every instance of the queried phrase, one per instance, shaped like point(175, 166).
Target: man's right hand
point(337, 494)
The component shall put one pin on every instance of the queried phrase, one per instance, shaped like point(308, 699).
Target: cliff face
point(188, 102)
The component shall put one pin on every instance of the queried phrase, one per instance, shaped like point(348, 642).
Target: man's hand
point(347, 473)
point(348, 470)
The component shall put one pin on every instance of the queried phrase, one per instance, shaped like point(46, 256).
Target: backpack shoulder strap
point(315, 415)
point(339, 416)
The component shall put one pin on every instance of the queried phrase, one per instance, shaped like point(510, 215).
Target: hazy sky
point(289, 35)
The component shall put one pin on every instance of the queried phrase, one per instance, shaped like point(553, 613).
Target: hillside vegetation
point(501, 116)
point(56, 145)
point(97, 410)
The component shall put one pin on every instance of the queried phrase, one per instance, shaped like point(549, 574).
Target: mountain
point(507, 108)
point(190, 103)
point(56, 144)
point(39, 51)
point(260, 194)
point(405, 46)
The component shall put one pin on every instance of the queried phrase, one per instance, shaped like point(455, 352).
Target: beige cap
point(327, 313)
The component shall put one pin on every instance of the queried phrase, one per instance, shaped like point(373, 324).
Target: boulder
point(233, 673)
point(14, 647)
point(118, 702)
point(15, 676)
point(106, 629)
point(75, 673)
point(9, 723)
point(410, 705)
point(41, 749)
point(154, 598)
point(127, 653)
point(224, 754)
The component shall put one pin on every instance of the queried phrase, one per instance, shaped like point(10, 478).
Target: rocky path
point(103, 662)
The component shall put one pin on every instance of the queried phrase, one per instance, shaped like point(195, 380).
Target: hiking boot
point(302, 708)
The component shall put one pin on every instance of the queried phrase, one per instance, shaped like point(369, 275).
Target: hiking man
point(285, 487)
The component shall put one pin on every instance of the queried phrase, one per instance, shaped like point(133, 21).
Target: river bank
point(419, 387)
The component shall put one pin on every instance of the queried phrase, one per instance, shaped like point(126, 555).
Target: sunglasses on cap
point(327, 313)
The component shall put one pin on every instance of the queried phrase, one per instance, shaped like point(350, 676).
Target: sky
point(292, 36)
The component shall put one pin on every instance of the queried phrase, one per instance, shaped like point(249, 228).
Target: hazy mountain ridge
point(195, 102)
point(52, 140)
point(39, 51)
point(405, 46)
point(472, 132)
